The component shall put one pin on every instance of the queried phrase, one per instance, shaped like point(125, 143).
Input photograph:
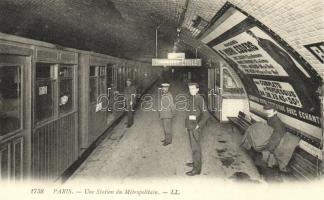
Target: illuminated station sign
point(176, 62)
point(176, 59)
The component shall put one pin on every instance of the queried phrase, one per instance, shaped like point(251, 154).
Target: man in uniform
point(167, 111)
point(130, 95)
point(196, 118)
point(278, 127)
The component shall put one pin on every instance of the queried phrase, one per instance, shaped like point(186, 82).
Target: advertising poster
point(271, 71)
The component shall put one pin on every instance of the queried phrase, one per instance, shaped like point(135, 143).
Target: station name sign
point(176, 62)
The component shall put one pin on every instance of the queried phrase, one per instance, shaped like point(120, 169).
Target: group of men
point(196, 118)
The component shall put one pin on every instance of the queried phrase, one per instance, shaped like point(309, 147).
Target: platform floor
point(137, 152)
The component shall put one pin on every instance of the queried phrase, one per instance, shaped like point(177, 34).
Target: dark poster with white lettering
point(271, 71)
point(317, 50)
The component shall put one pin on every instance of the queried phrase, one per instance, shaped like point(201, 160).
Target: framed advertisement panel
point(272, 71)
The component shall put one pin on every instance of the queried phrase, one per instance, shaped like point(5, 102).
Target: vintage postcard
point(161, 99)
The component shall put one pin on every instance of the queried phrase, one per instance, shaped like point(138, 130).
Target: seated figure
point(268, 143)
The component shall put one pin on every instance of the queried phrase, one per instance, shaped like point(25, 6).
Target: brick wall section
point(298, 22)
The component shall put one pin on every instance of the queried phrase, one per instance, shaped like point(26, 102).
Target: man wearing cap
point(277, 125)
point(130, 95)
point(196, 118)
point(166, 111)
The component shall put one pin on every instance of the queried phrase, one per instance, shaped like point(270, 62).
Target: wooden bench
point(303, 165)
point(241, 121)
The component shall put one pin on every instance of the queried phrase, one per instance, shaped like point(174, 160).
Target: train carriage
point(56, 102)
point(15, 95)
point(95, 78)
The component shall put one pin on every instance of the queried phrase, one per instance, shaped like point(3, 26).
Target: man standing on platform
point(130, 97)
point(167, 111)
point(196, 118)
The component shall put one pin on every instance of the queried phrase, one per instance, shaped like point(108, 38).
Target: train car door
point(114, 78)
point(109, 86)
point(55, 113)
point(215, 90)
point(114, 81)
point(135, 80)
point(97, 102)
point(15, 116)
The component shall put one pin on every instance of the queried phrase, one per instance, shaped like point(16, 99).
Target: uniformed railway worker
point(130, 97)
point(166, 112)
point(196, 118)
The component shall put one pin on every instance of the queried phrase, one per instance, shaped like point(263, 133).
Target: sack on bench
point(257, 136)
point(285, 149)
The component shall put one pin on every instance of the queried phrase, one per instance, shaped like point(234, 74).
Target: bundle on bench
point(302, 165)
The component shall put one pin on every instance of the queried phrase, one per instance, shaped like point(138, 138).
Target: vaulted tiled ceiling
point(124, 28)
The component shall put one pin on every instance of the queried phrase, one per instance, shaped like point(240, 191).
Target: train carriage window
point(120, 82)
point(93, 83)
point(10, 99)
point(139, 79)
point(102, 80)
point(123, 78)
point(110, 85)
point(135, 76)
point(110, 76)
point(66, 96)
point(126, 71)
point(130, 73)
point(44, 95)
